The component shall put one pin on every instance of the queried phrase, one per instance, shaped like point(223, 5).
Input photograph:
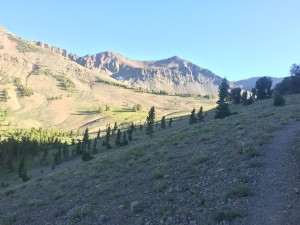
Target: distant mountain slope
point(173, 75)
point(248, 84)
point(40, 88)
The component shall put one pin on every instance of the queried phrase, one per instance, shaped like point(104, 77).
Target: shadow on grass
point(86, 112)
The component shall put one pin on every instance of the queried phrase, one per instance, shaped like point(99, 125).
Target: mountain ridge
point(173, 75)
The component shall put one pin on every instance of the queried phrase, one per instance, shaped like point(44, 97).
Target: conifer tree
point(193, 118)
point(95, 150)
point(115, 128)
point(170, 122)
point(65, 150)
point(124, 140)
point(107, 137)
point(85, 139)
point(223, 108)
point(22, 170)
point(86, 136)
point(118, 138)
point(235, 95)
point(150, 121)
point(98, 134)
point(130, 132)
point(73, 142)
point(78, 147)
point(163, 122)
point(89, 144)
point(200, 114)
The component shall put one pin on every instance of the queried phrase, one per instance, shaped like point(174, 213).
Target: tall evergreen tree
point(222, 108)
point(150, 121)
point(118, 138)
point(235, 95)
point(193, 118)
point(107, 137)
point(22, 170)
point(98, 134)
point(163, 122)
point(130, 132)
point(86, 136)
point(65, 150)
point(200, 114)
point(78, 147)
point(115, 128)
point(95, 150)
point(124, 140)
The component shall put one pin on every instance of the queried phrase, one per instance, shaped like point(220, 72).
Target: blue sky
point(233, 38)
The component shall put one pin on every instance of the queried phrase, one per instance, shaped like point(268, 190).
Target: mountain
point(173, 75)
point(248, 84)
point(41, 87)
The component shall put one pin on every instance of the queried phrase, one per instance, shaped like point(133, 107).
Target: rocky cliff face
point(173, 75)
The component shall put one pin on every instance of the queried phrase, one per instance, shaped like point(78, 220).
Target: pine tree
point(95, 150)
point(78, 147)
point(86, 136)
point(107, 137)
point(85, 139)
point(115, 128)
point(235, 95)
point(22, 170)
point(163, 122)
point(98, 134)
point(130, 132)
point(150, 121)
point(170, 122)
point(200, 114)
point(118, 138)
point(193, 118)
point(124, 141)
point(223, 108)
point(89, 144)
point(65, 150)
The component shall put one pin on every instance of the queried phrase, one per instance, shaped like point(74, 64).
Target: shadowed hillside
point(184, 174)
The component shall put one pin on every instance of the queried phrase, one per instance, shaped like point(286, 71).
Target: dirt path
point(276, 199)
